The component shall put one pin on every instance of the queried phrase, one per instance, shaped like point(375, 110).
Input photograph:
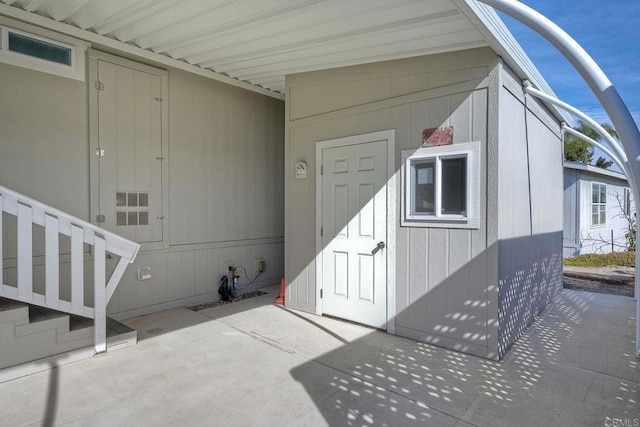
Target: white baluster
point(52, 261)
point(25, 253)
point(100, 301)
point(77, 269)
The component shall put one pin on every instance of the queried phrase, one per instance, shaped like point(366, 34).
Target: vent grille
point(132, 208)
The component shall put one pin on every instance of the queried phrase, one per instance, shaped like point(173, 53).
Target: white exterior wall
point(581, 237)
point(225, 183)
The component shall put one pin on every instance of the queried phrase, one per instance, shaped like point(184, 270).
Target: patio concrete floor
point(254, 364)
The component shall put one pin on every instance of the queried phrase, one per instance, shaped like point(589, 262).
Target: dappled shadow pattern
point(381, 379)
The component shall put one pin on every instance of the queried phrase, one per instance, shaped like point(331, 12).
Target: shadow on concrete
point(574, 364)
point(51, 404)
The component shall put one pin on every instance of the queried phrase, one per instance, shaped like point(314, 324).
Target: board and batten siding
point(227, 155)
point(530, 199)
point(225, 182)
point(226, 192)
point(442, 280)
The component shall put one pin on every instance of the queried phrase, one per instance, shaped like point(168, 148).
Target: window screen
point(38, 48)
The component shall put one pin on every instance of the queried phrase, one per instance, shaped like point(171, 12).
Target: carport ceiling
point(260, 41)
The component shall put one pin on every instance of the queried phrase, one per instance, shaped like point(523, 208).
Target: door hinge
point(321, 296)
point(321, 231)
point(100, 219)
point(158, 99)
point(99, 85)
point(321, 169)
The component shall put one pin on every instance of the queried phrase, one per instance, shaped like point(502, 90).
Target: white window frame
point(78, 49)
point(598, 204)
point(627, 201)
point(468, 150)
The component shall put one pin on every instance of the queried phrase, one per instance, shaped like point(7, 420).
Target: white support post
point(25, 252)
point(77, 269)
point(52, 261)
point(100, 301)
point(600, 85)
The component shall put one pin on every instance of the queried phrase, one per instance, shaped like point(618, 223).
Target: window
point(627, 201)
point(41, 50)
point(441, 186)
point(38, 48)
point(598, 204)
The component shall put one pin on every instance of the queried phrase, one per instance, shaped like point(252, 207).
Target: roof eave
point(498, 36)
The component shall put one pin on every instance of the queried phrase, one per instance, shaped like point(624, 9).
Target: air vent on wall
point(132, 208)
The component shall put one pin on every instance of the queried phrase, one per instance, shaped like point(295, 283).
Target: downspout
point(601, 87)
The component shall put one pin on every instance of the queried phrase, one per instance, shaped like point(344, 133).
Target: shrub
point(623, 259)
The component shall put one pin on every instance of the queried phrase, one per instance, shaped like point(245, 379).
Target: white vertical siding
point(597, 239)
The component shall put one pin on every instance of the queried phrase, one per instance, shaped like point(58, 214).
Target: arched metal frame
point(603, 89)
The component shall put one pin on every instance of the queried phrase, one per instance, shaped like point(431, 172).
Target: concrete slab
point(253, 363)
point(616, 275)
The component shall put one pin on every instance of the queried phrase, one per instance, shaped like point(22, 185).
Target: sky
point(609, 30)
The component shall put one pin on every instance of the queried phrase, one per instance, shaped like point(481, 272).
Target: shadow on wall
point(459, 312)
point(527, 282)
point(380, 379)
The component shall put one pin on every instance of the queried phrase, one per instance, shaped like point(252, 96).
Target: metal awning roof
point(258, 42)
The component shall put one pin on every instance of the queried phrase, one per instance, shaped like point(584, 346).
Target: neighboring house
point(597, 205)
point(401, 179)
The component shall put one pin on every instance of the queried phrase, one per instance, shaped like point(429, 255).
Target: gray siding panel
point(43, 144)
point(530, 226)
point(226, 156)
point(226, 187)
point(441, 296)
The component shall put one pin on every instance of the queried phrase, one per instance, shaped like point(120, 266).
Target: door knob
point(379, 246)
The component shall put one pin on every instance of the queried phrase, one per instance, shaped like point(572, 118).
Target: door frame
point(94, 140)
point(390, 249)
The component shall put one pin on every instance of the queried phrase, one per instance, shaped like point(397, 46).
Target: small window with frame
point(598, 204)
point(627, 201)
point(442, 186)
point(23, 45)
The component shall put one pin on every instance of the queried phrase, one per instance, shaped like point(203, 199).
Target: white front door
point(354, 232)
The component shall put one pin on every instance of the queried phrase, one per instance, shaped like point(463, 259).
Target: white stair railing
point(55, 222)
